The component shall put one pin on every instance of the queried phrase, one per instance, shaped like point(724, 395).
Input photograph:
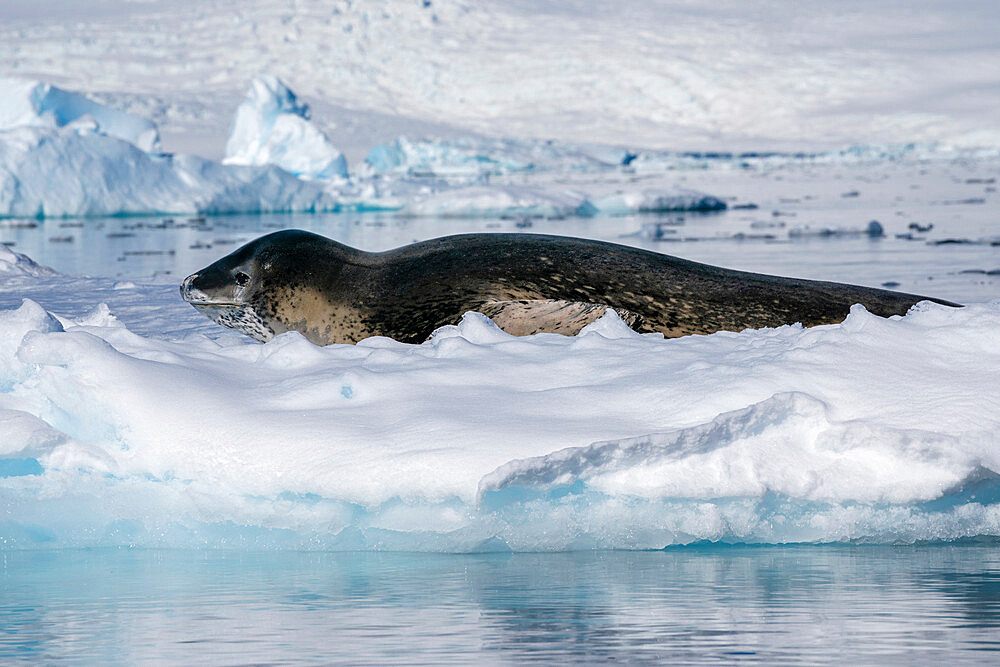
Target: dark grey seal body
point(528, 283)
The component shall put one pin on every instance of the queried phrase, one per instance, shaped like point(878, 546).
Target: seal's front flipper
point(523, 318)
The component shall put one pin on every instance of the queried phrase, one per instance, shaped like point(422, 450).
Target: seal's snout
point(190, 293)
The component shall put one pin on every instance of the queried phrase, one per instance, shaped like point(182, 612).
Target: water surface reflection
point(815, 604)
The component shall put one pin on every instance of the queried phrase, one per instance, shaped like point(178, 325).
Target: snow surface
point(675, 74)
point(878, 430)
point(272, 127)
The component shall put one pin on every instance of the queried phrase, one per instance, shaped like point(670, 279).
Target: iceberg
point(61, 172)
point(272, 127)
point(27, 103)
point(62, 154)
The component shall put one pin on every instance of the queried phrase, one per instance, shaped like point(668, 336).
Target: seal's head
point(273, 284)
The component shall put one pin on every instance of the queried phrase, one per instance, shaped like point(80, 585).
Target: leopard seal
point(527, 283)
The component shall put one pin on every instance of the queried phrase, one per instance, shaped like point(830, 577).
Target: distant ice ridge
point(652, 161)
point(877, 430)
point(27, 103)
point(472, 156)
point(272, 127)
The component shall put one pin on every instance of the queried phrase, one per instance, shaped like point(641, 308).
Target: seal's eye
point(241, 278)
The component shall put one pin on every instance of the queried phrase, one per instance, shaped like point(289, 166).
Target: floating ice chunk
point(873, 229)
point(656, 201)
point(34, 103)
point(272, 127)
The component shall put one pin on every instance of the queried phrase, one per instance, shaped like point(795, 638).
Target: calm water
point(714, 604)
point(167, 249)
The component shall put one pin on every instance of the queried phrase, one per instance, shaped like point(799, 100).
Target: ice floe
point(875, 430)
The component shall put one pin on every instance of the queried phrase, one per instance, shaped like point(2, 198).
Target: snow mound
point(879, 430)
point(39, 104)
point(272, 127)
point(60, 172)
point(15, 264)
point(786, 444)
